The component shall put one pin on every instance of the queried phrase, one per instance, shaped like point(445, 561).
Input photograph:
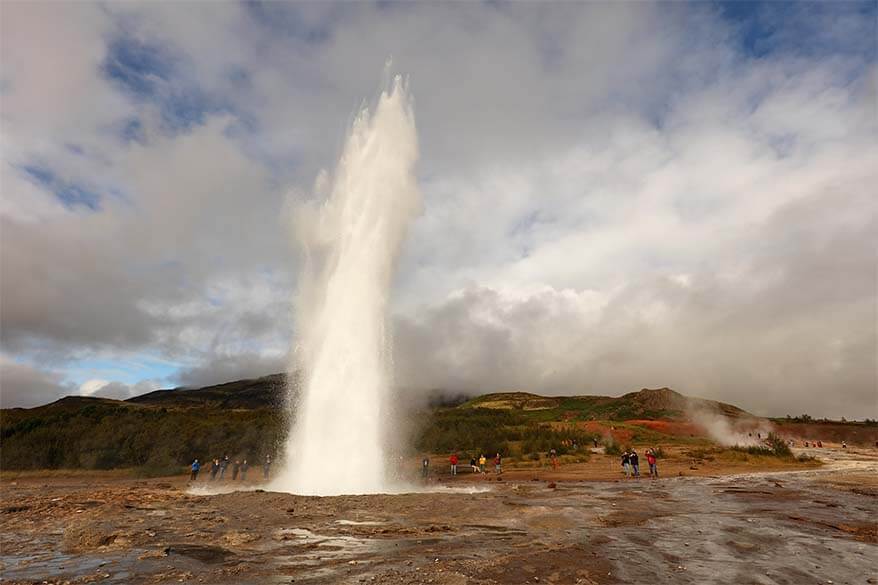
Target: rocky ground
point(775, 527)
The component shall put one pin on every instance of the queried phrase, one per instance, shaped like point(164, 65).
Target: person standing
point(553, 455)
point(472, 465)
point(196, 466)
point(635, 463)
point(236, 467)
point(653, 467)
point(498, 464)
point(266, 467)
point(482, 461)
point(425, 467)
point(626, 463)
point(223, 465)
point(453, 460)
point(214, 468)
point(244, 468)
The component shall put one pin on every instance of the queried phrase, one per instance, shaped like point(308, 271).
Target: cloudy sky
point(617, 196)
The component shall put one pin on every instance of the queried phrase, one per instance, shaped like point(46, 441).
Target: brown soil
point(775, 526)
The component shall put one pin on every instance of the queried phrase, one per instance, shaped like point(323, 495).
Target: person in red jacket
point(650, 458)
point(453, 460)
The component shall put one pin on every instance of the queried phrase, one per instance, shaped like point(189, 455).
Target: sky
point(616, 195)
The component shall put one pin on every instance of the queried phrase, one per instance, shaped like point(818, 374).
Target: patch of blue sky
point(151, 73)
point(128, 371)
point(133, 131)
point(69, 193)
point(811, 29)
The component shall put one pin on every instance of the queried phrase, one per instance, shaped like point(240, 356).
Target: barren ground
point(813, 525)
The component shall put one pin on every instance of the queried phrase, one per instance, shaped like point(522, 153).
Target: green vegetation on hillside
point(484, 430)
point(661, 403)
point(110, 434)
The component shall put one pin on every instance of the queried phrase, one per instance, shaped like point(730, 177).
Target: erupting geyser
point(350, 245)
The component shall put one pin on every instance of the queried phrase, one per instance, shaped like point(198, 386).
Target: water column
point(350, 244)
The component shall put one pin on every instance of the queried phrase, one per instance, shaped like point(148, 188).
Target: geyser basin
point(350, 244)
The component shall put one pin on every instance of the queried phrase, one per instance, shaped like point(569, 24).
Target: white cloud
point(90, 387)
point(616, 196)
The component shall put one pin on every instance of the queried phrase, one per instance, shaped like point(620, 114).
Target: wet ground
point(815, 526)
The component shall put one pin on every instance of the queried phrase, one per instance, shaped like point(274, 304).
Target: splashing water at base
point(350, 245)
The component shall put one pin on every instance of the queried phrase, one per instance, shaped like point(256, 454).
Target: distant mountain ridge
point(645, 403)
point(270, 392)
point(263, 392)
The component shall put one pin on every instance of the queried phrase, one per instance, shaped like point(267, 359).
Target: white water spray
point(350, 245)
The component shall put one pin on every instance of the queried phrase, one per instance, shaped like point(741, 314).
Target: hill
point(265, 392)
point(660, 403)
point(157, 431)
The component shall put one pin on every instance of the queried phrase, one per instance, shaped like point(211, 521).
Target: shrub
point(778, 446)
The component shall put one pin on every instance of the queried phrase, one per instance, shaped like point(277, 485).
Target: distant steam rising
point(729, 432)
point(350, 244)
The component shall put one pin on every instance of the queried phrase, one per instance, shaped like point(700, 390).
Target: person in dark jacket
point(236, 467)
point(214, 468)
point(626, 463)
point(244, 468)
point(223, 464)
point(266, 467)
point(635, 463)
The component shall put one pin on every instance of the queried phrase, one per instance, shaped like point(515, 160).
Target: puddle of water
point(51, 565)
point(338, 544)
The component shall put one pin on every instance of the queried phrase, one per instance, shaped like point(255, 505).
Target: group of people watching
point(631, 463)
point(477, 465)
point(239, 468)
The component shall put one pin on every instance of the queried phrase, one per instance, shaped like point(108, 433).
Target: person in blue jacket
point(196, 467)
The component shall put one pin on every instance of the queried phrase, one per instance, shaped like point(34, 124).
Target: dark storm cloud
point(22, 385)
point(219, 369)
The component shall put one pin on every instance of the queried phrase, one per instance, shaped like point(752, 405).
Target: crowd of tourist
point(220, 465)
